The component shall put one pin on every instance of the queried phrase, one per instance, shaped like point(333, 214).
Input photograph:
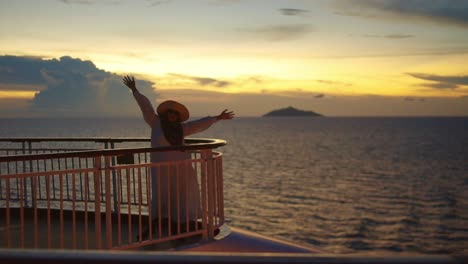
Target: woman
point(176, 183)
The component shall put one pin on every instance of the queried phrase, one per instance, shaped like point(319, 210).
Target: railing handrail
point(192, 144)
point(76, 139)
point(122, 189)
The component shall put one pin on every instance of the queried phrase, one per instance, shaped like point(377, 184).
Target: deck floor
point(73, 234)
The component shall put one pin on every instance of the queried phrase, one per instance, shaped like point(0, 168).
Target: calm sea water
point(346, 185)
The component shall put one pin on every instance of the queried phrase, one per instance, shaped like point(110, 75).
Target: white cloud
point(71, 87)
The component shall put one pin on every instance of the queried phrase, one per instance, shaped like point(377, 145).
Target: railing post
point(207, 157)
point(108, 202)
point(211, 195)
point(97, 200)
point(114, 180)
point(33, 198)
point(203, 187)
point(25, 191)
point(220, 189)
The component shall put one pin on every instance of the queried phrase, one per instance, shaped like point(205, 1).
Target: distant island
point(290, 111)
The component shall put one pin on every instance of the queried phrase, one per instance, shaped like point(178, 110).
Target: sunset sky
point(336, 57)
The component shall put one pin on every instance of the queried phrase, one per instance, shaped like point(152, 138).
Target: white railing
point(99, 199)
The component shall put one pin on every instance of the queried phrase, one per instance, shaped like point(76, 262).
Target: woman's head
point(173, 111)
point(172, 114)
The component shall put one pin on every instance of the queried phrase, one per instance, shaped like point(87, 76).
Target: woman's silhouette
point(172, 184)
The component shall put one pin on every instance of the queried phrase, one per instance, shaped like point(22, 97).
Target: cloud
point(442, 82)
point(225, 1)
point(210, 81)
point(79, 2)
point(441, 85)
point(409, 53)
point(71, 87)
point(280, 32)
point(292, 11)
point(398, 36)
point(454, 12)
point(204, 81)
point(414, 99)
point(6, 69)
point(328, 82)
point(389, 36)
point(255, 79)
point(22, 70)
point(91, 2)
point(158, 2)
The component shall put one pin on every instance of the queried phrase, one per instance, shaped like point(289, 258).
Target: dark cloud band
point(442, 82)
point(204, 81)
point(436, 11)
point(292, 11)
point(282, 32)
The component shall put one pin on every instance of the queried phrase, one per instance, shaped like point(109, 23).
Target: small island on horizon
point(291, 112)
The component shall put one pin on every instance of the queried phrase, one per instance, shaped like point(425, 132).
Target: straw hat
point(175, 106)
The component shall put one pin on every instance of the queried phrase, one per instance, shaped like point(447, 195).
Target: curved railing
point(106, 198)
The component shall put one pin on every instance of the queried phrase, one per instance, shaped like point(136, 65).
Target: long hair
point(173, 131)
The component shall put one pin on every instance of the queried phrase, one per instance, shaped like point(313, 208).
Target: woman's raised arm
point(145, 105)
point(200, 125)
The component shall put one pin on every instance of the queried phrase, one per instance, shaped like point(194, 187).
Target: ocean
point(345, 185)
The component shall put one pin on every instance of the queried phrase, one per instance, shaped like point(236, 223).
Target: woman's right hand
point(129, 81)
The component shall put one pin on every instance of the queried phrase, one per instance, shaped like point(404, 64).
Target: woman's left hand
point(225, 115)
point(129, 81)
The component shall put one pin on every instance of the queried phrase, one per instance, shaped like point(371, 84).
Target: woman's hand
point(225, 115)
point(129, 81)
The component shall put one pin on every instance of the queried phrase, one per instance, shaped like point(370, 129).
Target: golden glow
point(17, 94)
point(387, 76)
point(278, 72)
point(274, 71)
point(354, 76)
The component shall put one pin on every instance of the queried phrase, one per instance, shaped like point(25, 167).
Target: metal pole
point(97, 201)
point(114, 180)
point(203, 186)
point(211, 193)
point(33, 198)
point(24, 171)
point(108, 202)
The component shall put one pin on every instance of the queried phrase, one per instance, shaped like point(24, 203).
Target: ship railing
point(42, 145)
point(104, 199)
point(39, 145)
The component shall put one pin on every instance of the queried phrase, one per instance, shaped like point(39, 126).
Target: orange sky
point(350, 50)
